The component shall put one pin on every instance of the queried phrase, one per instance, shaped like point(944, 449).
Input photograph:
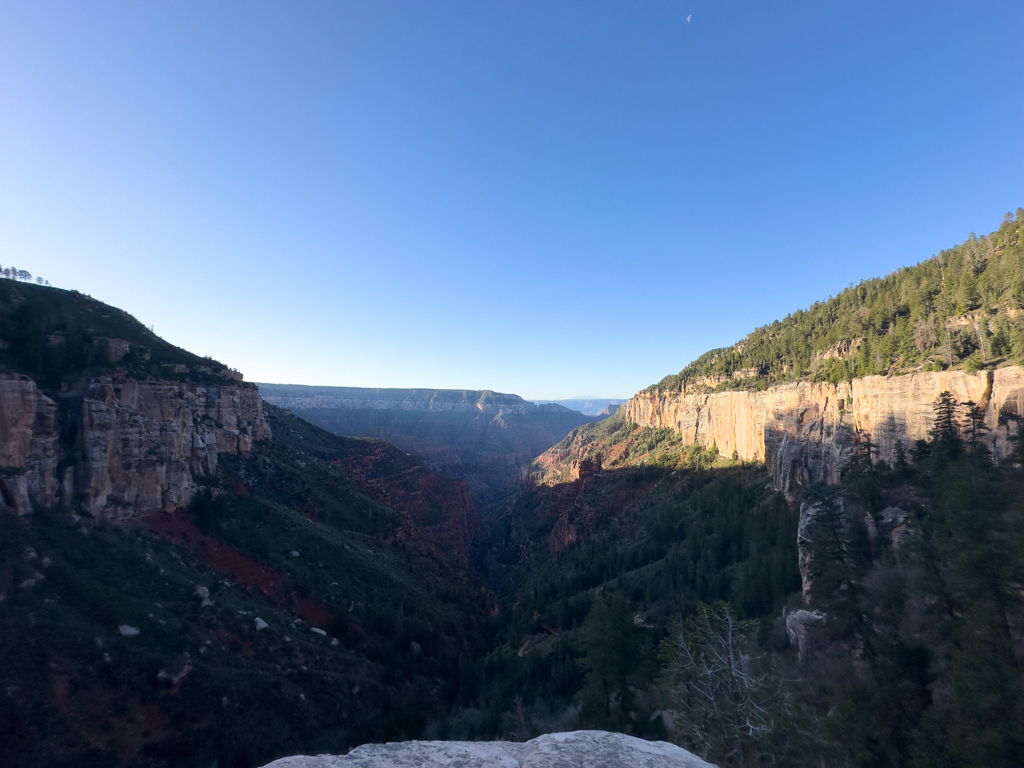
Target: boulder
point(578, 749)
point(895, 523)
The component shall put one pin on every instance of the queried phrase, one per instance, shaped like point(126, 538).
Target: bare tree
point(722, 702)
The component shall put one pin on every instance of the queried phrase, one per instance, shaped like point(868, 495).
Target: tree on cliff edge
point(945, 432)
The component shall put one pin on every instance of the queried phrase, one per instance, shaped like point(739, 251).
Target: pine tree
point(900, 458)
point(945, 432)
point(974, 424)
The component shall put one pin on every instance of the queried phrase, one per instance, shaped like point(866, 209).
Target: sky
point(546, 198)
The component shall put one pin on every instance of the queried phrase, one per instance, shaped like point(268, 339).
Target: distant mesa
point(587, 405)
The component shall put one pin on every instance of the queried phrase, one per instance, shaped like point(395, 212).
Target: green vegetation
point(56, 336)
point(919, 663)
point(642, 585)
point(280, 535)
point(915, 569)
point(963, 308)
point(580, 642)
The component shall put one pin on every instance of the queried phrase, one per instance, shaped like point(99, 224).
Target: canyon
point(479, 436)
point(805, 432)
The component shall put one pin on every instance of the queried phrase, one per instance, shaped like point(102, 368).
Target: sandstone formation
point(114, 447)
point(579, 749)
point(481, 437)
point(805, 432)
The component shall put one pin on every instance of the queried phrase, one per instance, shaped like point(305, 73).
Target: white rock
point(127, 631)
point(31, 581)
point(579, 749)
point(260, 624)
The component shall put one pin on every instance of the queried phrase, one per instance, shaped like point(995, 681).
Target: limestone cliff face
point(115, 447)
point(29, 449)
point(806, 432)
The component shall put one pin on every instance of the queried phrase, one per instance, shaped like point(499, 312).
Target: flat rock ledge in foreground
point(579, 749)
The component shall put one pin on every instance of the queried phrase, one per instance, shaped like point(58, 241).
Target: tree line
point(963, 308)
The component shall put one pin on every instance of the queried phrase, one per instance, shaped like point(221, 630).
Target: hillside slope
point(481, 437)
point(960, 309)
point(874, 604)
point(187, 577)
point(877, 623)
point(805, 394)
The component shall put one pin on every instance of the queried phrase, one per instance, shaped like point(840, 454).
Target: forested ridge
point(963, 308)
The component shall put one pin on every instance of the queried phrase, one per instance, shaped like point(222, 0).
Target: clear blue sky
point(546, 198)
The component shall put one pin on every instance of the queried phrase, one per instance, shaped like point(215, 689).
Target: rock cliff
point(579, 749)
point(805, 432)
point(113, 446)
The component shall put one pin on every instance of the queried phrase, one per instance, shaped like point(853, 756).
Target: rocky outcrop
point(579, 749)
point(801, 629)
point(29, 444)
point(115, 447)
point(481, 437)
point(805, 432)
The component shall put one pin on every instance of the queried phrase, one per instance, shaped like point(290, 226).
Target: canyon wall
point(805, 432)
point(114, 447)
point(301, 397)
